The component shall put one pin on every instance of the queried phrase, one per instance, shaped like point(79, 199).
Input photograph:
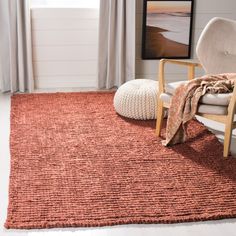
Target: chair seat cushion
point(202, 108)
point(221, 99)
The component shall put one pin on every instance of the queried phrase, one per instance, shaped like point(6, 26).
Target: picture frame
point(167, 29)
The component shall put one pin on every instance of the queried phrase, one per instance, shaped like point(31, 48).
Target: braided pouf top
point(137, 99)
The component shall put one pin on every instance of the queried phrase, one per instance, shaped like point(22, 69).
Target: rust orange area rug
point(75, 162)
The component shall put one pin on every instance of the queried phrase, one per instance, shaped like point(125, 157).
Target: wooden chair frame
point(227, 120)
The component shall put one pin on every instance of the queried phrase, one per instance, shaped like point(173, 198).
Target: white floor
point(216, 228)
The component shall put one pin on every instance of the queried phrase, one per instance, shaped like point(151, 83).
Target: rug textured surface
point(75, 162)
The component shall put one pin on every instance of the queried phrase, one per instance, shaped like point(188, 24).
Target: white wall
point(65, 45)
point(204, 10)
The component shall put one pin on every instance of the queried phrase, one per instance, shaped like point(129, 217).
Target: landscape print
point(167, 29)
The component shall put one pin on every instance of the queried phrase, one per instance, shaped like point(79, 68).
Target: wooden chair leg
point(227, 139)
point(229, 126)
point(160, 116)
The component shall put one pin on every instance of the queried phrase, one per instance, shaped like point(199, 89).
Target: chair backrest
point(216, 47)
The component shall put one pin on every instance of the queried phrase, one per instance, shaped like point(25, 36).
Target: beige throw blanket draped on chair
point(184, 103)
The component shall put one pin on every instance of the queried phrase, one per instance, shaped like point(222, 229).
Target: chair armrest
point(191, 70)
point(183, 63)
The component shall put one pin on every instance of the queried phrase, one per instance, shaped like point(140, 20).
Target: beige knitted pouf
point(137, 99)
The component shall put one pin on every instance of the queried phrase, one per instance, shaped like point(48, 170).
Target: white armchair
point(216, 51)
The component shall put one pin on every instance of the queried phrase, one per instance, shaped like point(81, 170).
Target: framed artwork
point(167, 29)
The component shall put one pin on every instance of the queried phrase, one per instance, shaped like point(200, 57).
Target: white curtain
point(15, 46)
point(116, 59)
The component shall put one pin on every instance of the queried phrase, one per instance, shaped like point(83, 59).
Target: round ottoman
point(137, 99)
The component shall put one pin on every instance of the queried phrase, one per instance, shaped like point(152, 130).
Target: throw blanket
point(184, 103)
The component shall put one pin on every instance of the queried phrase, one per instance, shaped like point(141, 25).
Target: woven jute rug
point(75, 162)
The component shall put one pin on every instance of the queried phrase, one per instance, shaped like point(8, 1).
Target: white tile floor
point(216, 228)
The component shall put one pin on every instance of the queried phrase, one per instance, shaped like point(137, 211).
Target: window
point(66, 3)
